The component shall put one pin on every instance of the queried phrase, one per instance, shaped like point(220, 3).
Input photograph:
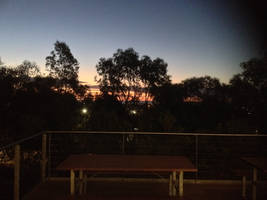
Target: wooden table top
point(127, 163)
point(258, 162)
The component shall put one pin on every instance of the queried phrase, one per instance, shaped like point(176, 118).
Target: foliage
point(30, 102)
point(62, 65)
point(109, 114)
point(168, 95)
point(202, 87)
point(249, 93)
point(126, 76)
point(28, 69)
point(153, 74)
point(255, 72)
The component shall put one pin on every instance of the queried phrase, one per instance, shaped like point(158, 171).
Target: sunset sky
point(195, 38)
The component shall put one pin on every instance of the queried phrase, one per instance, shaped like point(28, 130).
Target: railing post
point(49, 157)
point(17, 172)
point(196, 155)
point(44, 159)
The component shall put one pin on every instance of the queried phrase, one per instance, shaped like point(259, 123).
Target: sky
point(195, 37)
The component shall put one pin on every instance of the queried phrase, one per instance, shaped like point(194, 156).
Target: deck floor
point(101, 190)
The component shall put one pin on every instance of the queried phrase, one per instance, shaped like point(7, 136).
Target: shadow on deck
point(59, 190)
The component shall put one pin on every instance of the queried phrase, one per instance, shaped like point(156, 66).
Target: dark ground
point(100, 190)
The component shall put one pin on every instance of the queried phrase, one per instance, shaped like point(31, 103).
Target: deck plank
point(140, 190)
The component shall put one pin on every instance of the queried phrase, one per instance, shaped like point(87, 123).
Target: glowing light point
point(133, 112)
point(84, 111)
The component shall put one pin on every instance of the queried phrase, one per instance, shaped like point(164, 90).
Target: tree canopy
point(202, 87)
point(62, 65)
point(249, 92)
point(28, 97)
point(127, 76)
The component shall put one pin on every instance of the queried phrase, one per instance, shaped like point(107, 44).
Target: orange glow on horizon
point(95, 91)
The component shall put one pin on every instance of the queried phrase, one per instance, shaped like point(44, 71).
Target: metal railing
point(216, 156)
point(20, 166)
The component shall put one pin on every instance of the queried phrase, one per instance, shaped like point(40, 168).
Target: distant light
point(133, 112)
point(84, 111)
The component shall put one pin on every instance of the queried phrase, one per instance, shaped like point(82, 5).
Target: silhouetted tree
point(153, 74)
point(206, 105)
point(17, 77)
point(202, 87)
point(168, 101)
point(108, 114)
point(168, 95)
point(29, 102)
point(127, 77)
point(62, 65)
point(25, 73)
point(119, 74)
point(255, 72)
point(28, 68)
point(249, 93)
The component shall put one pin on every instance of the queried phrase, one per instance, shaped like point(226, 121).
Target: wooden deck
point(141, 190)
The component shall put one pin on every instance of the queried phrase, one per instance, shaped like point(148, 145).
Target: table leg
point(244, 184)
point(85, 183)
point(170, 185)
point(181, 183)
point(174, 184)
point(254, 184)
point(72, 182)
point(80, 182)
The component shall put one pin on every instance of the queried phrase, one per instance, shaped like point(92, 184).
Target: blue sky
point(194, 37)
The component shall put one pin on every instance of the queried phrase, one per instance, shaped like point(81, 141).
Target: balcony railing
point(216, 156)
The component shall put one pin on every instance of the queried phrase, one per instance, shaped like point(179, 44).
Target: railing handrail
point(159, 133)
point(136, 133)
point(22, 140)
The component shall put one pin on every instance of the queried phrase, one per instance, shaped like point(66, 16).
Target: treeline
point(136, 94)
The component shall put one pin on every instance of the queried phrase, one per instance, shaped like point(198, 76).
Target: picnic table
point(172, 165)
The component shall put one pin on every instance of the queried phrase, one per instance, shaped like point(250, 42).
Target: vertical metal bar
point(72, 182)
point(17, 172)
point(44, 160)
point(196, 156)
point(181, 183)
point(254, 184)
